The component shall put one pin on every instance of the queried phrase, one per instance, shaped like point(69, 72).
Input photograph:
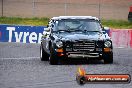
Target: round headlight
point(107, 44)
point(59, 44)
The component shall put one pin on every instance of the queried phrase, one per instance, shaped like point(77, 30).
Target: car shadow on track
point(80, 62)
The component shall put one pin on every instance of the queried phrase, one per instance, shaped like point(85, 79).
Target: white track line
point(28, 58)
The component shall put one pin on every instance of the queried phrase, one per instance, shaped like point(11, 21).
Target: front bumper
point(83, 55)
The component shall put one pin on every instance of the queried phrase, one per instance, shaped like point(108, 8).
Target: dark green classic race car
point(75, 37)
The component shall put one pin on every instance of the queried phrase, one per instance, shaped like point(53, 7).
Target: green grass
point(24, 21)
point(117, 24)
point(44, 21)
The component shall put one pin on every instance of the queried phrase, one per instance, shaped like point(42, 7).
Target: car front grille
point(82, 46)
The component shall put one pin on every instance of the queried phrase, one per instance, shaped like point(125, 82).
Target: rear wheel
point(43, 55)
point(53, 60)
point(108, 58)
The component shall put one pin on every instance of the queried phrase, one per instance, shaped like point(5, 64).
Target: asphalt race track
point(20, 67)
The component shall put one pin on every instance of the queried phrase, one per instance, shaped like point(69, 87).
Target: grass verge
point(121, 24)
point(24, 21)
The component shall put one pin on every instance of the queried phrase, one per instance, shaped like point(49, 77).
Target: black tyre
point(108, 58)
point(43, 55)
point(53, 60)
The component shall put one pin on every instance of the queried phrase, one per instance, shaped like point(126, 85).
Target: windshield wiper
point(90, 31)
point(63, 31)
point(74, 30)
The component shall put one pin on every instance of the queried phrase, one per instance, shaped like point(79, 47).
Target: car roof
point(74, 17)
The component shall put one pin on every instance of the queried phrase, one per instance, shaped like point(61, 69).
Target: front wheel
point(108, 58)
point(43, 55)
point(53, 60)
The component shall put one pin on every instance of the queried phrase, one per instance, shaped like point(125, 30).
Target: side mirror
point(46, 32)
point(46, 29)
point(106, 28)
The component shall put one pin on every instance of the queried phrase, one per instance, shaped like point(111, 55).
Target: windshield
point(77, 25)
